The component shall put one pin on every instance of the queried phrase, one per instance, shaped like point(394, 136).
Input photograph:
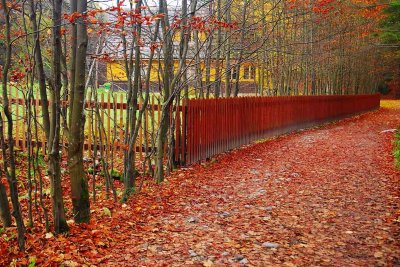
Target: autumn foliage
point(151, 59)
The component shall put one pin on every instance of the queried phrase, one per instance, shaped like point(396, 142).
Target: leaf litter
point(315, 197)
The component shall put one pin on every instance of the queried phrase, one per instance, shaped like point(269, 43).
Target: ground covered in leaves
point(328, 196)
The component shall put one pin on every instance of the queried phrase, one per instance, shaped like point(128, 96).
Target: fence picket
point(89, 130)
point(108, 120)
point(17, 122)
point(102, 137)
point(140, 144)
point(23, 127)
point(121, 122)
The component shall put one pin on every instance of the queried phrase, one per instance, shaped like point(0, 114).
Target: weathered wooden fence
point(205, 127)
point(108, 135)
point(217, 125)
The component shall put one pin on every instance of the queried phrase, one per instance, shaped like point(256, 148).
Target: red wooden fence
point(214, 126)
point(206, 127)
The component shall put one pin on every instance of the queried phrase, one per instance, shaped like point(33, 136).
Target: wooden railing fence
point(112, 112)
point(205, 127)
point(218, 125)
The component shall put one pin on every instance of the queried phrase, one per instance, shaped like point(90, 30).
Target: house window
point(233, 73)
point(252, 72)
point(246, 73)
point(249, 73)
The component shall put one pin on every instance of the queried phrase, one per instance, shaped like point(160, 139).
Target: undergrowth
point(396, 147)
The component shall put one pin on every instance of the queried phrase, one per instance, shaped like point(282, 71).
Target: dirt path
point(320, 197)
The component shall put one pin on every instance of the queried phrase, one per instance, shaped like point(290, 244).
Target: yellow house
point(252, 74)
point(116, 71)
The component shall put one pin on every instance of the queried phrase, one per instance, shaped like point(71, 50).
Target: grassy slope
point(394, 104)
point(396, 147)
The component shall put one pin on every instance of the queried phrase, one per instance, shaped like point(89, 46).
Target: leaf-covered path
point(321, 197)
point(327, 196)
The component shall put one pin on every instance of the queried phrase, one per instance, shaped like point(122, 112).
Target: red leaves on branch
point(18, 33)
point(222, 24)
point(103, 57)
point(154, 46)
point(159, 16)
point(17, 75)
point(72, 17)
point(13, 5)
point(373, 12)
point(322, 10)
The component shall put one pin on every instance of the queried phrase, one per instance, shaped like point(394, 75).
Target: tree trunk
point(60, 223)
point(5, 214)
point(79, 183)
point(228, 68)
point(168, 75)
point(40, 70)
point(72, 70)
point(8, 149)
point(242, 36)
point(217, 80)
point(208, 58)
point(130, 168)
point(170, 82)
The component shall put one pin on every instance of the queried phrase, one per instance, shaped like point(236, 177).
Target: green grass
point(103, 92)
point(396, 147)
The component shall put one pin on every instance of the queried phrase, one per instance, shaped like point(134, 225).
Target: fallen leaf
point(208, 263)
point(49, 235)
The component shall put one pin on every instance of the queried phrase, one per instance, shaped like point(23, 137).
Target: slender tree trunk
point(60, 223)
point(228, 68)
point(242, 36)
point(208, 60)
point(168, 75)
point(130, 168)
point(40, 69)
point(129, 155)
point(72, 70)
point(184, 32)
point(312, 59)
point(8, 149)
point(5, 214)
point(171, 81)
point(79, 182)
point(217, 81)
